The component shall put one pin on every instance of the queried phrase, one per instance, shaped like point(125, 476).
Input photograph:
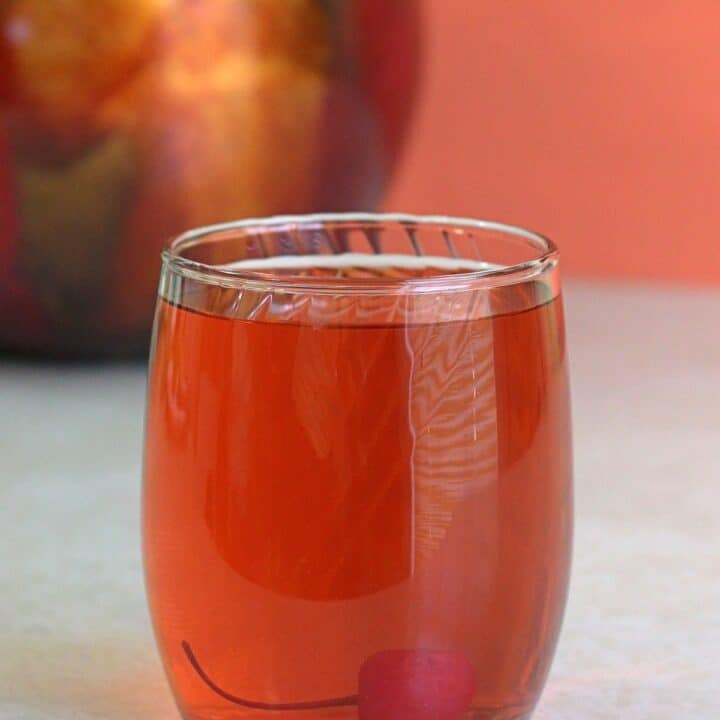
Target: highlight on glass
point(357, 493)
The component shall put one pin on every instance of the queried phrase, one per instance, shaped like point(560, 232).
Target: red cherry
point(415, 685)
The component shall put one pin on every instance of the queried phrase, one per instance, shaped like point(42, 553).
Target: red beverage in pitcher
point(358, 505)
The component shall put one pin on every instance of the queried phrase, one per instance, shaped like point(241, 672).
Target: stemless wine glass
point(357, 497)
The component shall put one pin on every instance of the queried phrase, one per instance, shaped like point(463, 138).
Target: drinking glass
point(357, 496)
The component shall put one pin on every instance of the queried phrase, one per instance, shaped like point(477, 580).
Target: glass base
point(230, 713)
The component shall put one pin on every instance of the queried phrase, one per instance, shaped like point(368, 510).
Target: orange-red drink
point(357, 479)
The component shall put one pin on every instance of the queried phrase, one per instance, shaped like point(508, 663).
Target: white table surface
point(641, 639)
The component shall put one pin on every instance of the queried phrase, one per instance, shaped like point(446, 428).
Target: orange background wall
point(597, 123)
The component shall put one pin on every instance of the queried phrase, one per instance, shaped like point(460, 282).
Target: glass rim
point(548, 255)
